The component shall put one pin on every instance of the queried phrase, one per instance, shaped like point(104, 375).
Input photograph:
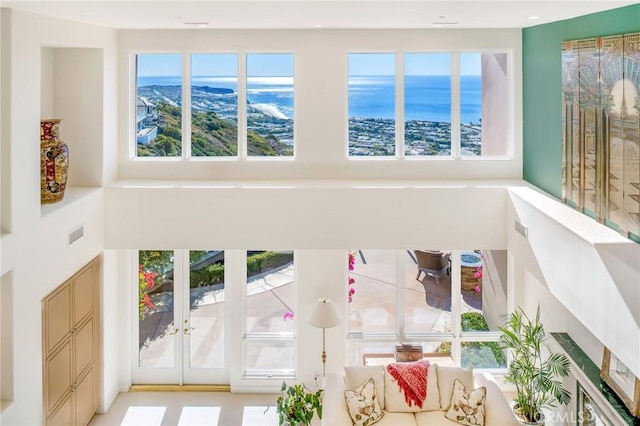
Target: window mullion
point(456, 305)
point(242, 105)
point(186, 106)
point(399, 105)
point(455, 104)
point(400, 278)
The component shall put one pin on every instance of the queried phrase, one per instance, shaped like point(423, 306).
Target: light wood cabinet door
point(85, 398)
point(71, 349)
point(83, 347)
point(63, 416)
point(58, 376)
point(83, 294)
point(57, 316)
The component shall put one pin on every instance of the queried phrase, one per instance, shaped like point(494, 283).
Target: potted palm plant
point(297, 405)
point(537, 377)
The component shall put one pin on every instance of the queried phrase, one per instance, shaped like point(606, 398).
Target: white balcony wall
point(320, 216)
point(321, 104)
point(36, 255)
point(591, 270)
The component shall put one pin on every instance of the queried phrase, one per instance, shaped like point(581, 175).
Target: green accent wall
point(542, 83)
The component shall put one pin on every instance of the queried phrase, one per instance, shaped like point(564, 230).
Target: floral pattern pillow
point(467, 408)
point(363, 405)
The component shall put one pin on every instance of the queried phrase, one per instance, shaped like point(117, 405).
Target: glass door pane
point(205, 321)
point(156, 325)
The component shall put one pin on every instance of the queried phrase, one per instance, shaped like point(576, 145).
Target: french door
point(180, 337)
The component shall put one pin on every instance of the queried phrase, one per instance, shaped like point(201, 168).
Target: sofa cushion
point(395, 400)
point(398, 419)
point(467, 408)
point(357, 375)
point(446, 377)
point(434, 418)
point(363, 405)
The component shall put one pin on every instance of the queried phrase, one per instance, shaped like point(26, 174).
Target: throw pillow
point(446, 377)
point(357, 375)
point(467, 408)
point(395, 399)
point(362, 402)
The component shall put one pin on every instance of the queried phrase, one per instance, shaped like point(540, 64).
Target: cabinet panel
point(57, 316)
point(85, 400)
point(62, 417)
point(83, 295)
point(84, 346)
point(71, 349)
point(58, 377)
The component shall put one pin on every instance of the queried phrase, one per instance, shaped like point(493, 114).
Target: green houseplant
point(537, 378)
point(297, 405)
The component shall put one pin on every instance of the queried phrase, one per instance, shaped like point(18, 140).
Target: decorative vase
point(54, 162)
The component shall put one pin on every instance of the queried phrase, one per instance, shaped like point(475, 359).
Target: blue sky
point(222, 65)
point(281, 64)
point(414, 64)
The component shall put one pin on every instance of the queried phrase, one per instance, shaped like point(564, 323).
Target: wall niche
point(72, 89)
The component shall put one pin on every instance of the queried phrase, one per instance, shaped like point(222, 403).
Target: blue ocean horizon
point(427, 98)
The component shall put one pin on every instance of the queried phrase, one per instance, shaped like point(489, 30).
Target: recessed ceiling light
point(319, 25)
point(197, 24)
point(533, 17)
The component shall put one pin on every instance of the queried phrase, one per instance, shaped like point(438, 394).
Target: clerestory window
point(427, 104)
point(214, 105)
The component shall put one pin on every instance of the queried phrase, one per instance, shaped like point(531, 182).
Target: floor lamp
point(324, 315)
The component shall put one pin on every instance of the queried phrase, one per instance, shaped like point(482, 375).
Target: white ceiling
point(285, 14)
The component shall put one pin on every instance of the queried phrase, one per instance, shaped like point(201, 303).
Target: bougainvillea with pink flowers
point(145, 282)
point(352, 265)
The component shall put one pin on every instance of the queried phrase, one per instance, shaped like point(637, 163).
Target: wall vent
point(522, 230)
point(76, 235)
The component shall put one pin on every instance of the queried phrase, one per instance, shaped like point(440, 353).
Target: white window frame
point(282, 337)
point(455, 109)
point(242, 154)
point(456, 337)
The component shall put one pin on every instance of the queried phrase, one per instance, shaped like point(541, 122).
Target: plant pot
point(539, 422)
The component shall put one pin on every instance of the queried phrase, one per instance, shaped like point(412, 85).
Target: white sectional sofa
point(397, 412)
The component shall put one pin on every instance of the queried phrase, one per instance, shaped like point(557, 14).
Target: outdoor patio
point(270, 296)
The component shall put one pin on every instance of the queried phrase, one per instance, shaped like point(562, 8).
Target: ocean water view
point(427, 98)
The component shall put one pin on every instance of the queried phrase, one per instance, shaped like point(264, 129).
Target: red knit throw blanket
point(412, 380)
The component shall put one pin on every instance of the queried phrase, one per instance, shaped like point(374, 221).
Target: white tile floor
point(190, 409)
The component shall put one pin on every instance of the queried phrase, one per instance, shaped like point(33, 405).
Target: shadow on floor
point(438, 295)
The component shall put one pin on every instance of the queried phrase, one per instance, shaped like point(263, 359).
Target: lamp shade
point(324, 314)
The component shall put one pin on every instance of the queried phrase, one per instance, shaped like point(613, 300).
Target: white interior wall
point(555, 316)
point(47, 74)
point(5, 127)
point(77, 100)
point(592, 270)
point(308, 217)
point(40, 258)
point(321, 81)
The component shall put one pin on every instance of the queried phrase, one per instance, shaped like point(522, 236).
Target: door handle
point(174, 331)
point(187, 329)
